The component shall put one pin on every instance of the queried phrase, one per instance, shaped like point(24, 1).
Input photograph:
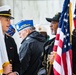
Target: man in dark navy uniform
point(5, 17)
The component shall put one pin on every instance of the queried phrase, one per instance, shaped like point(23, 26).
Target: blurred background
point(37, 10)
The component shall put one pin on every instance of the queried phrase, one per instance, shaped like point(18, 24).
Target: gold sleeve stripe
point(5, 64)
point(1, 71)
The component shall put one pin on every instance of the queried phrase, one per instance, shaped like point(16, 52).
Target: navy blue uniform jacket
point(12, 53)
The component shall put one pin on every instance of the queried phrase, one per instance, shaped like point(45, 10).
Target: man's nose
point(9, 22)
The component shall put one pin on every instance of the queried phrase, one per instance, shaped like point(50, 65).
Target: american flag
point(63, 59)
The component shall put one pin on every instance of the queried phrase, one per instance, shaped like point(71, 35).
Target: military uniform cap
point(5, 11)
point(55, 18)
point(23, 24)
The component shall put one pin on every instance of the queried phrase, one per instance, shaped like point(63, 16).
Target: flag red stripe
point(55, 48)
point(58, 59)
point(57, 39)
point(60, 43)
point(75, 23)
point(70, 54)
point(64, 63)
point(55, 72)
point(57, 36)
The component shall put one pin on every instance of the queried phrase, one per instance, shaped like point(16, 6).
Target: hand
point(7, 69)
point(51, 57)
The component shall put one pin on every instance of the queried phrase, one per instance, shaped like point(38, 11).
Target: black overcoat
point(31, 53)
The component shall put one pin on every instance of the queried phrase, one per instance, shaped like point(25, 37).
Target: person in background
point(43, 31)
point(48, 46)
point(74, 50)
point(31, 50)
point(14, 66)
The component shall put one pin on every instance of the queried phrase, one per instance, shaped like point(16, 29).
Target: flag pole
point(70, 20)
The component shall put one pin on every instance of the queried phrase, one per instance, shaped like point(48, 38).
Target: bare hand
point(51, 57)
point(7, 69)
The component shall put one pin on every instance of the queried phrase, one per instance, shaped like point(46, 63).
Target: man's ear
point(0, 17)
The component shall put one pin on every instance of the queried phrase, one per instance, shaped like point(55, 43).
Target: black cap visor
point(52, 19)
point(7, 16)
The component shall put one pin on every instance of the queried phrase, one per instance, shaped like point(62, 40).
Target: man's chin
point(6, 30)
point(53, 33)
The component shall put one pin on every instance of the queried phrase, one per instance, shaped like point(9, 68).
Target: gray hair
point(31, 28)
